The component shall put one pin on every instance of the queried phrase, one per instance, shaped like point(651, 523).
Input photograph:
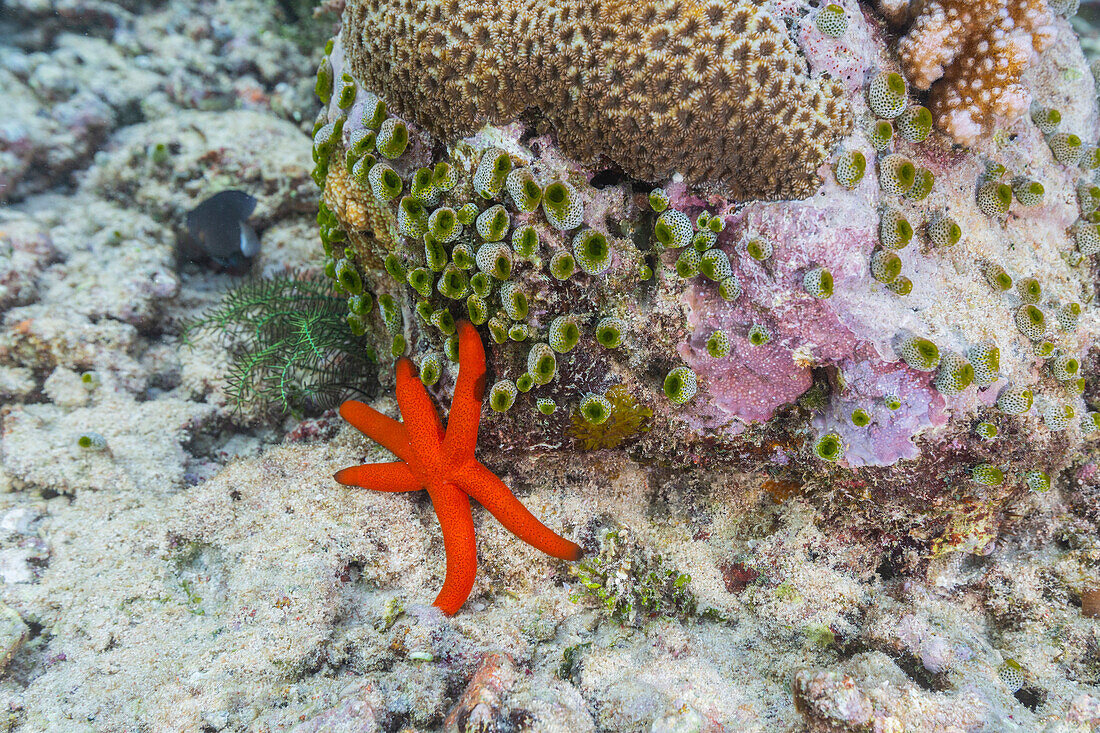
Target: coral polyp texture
point(972, 54)
point(718, 83)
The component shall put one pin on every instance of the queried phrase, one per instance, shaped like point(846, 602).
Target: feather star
point(442, 463)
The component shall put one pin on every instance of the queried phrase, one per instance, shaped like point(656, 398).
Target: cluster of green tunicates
point(698, 245)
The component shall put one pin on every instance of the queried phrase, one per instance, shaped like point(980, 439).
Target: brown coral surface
point(971, 53)
point(713, 89)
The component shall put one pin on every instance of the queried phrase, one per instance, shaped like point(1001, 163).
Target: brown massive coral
point(971, 53)
point(712, 89)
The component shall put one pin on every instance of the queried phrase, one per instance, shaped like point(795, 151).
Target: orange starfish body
point(443, 463)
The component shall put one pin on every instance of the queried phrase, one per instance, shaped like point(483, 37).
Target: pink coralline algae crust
point(888, 437)
point(755, 380)
point(846, 59)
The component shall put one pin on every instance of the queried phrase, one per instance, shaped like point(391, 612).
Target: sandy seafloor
point(204, 573)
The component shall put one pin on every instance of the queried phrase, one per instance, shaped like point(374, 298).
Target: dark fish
point(219, 229)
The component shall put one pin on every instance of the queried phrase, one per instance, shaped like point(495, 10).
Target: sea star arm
point(452, 507)
point(383, 430)
point(462, 422)
point(394, 476)
point(483, 485)
point(418, 413)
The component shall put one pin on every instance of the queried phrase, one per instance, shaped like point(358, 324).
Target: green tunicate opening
point(674, 386)
point(502, 166)
point(828, 447)
point(347, 92)
point(481, 284)
point(562, 265)
point(397, 348)
point(420, 280)
point(516, 304)
point(323, 87)
point(525, 382)
point(1003, 280)
point(595, 411)
point(892, 403)
point(502, 397)
point(825, 284)
point(444, 321)
point(756, 250)
point(1004, 195)
point(895, 83)
point(884, 132)
point(1032, 290)
point(687, 264)
point(526, 242)
point(922, 119)
point(904, 231)
point(609, 335)
point(422, 180)
point(1036, 317)
point(594, 249)
point(718, 345)
point(502, 267)
point(663, 232)
point(498, 225)
point(443, 223)
point(395, 267)
point(907, 174)
point(435, 253)
point(544, 368)
point(565, 337)
point(901, 286)
point(929, 353)
point(442, 173)
point(453, 283)
point(546, 406)
point(477, 309)
point(758, 336)
point(860, 418)
point(556, 197)
point(430, 372)
point(356, 324)
point(889, 266)
point(463, 257)
point(1070, 366)
point(348, 277)
point(1073, 141)
point(398, 140)
point(954, 233)
point(531, 193)
point(450, 348)
point(391, 183)
point(85, 441)
point(858, 161)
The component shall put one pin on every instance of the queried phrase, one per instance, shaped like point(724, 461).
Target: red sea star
point(443, 463)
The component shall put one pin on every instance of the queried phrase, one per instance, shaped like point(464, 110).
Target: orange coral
point(972, 53)
point(713, 89)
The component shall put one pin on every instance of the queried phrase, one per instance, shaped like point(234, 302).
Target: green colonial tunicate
point(542, 364)
point(595, 409)
point(680, 385)
point(393, 138)
point(502, 396)
point(492, 171)
point(477, 309)
point(564, 334)
point(609, 332)
point(452, 283)
point(525, 241)
point(562, 265)
point(591, 251)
